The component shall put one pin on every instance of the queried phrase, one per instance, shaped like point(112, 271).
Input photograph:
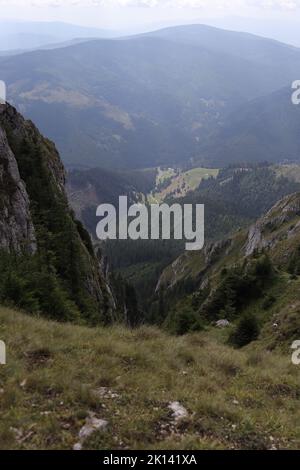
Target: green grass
point(180, 182)
point(247, 399)
point(290, 171)
point(195, 176)
point(164, 174)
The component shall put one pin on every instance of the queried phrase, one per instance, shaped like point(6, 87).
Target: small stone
point(92, 424)
point(77, 446)
point(104, 392)
point(18, 433)
point(66, 426)
point(222, 323)
point(179, 412)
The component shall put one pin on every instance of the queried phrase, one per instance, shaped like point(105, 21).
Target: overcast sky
point(269, 17)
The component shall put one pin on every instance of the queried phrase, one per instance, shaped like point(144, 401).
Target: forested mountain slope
point(254, 272)
point(47, 261)
point(266, 129)
point(147, 100)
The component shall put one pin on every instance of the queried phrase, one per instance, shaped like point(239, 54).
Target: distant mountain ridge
point(239, 44)
point(33, 34)
point(265, 129)
point(146, 100)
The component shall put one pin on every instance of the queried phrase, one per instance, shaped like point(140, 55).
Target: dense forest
point(235, 198)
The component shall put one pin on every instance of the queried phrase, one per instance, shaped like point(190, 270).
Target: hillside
point(234, 197)
point(256, 272)
point(18, 36)
point(266, 129)
point(47, 262)
point(61, 377)
point(243, 45)
point(144, 101)
point(174, 183)
point(87, 189)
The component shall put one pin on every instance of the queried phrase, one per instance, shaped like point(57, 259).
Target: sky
point(277, 18)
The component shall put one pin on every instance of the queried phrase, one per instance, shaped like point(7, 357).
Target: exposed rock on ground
point(92, 424)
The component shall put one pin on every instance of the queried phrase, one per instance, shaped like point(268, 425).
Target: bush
point(294, 264)
point(268, 302)
point(240, 285)
point(246, 331)
point(184, 321)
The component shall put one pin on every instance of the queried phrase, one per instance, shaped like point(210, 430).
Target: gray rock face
point(255, 240)
point(17, 231)
point(266, 232)
point(16, 227)
point(215, 250)
point(222, 323)
point(23, 128)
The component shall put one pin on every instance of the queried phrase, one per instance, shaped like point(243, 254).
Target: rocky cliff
point(256, 270)
point(36, 221)
point(277, 233)
point(16, 227)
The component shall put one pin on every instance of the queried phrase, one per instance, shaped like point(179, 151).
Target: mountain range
point(156, 98)
point(265, 129)
point(18, 36)
point(138, 344)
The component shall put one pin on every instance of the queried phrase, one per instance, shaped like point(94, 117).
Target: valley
point(139, 343)
point(175, 183)
point(233, 199)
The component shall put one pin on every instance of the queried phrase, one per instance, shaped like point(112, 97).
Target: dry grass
point(236, 399)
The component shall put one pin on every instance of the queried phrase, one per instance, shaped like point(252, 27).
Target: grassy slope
point(235, 399)
point(180, 183)
point(290, 171)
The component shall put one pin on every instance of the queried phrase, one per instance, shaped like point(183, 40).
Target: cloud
point(287, 5)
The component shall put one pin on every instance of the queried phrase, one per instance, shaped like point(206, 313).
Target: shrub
point(240, 285)
point(294, 264)
point(268, 302)
point(246, 331)
point(184, 321)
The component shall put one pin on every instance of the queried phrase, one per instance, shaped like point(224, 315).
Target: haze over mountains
point(264, 129)
point(19, 35)
point(160, 98)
